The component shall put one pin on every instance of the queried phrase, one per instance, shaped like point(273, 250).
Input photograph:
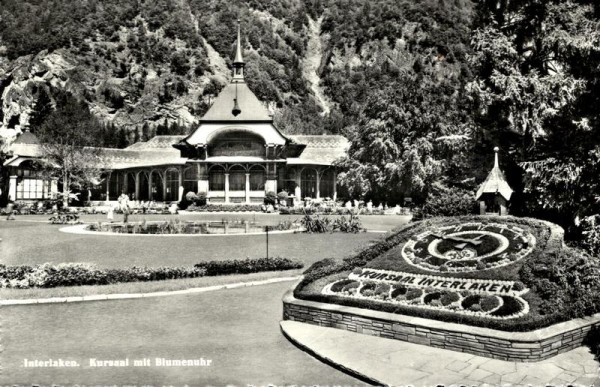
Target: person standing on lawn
point(124, 205)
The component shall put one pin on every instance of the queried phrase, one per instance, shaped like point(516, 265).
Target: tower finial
point(496, 149)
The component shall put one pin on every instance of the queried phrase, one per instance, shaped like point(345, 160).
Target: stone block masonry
point(514, 346)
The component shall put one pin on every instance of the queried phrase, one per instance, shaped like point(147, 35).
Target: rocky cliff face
point(118, 87)
point(154, 63)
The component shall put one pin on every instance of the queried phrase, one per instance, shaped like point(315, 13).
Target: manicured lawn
point(237, 329)
point(26, 241)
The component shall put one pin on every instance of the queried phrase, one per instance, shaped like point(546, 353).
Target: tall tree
point(69, 136)
point(538, 71)
point(405, 139)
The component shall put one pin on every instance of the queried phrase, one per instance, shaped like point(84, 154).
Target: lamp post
point(267, 229)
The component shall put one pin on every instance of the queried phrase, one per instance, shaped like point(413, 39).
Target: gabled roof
point(252, 109)
point(320, 150)
point(495, 183)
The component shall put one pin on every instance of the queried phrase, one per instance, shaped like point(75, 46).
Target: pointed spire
point(238, 52)
point(238, 62)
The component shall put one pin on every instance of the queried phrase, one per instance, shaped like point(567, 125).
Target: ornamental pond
point(179, 227)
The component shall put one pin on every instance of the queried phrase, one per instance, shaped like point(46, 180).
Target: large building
point(236, 155)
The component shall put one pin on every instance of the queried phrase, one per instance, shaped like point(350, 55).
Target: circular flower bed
point(467, 247)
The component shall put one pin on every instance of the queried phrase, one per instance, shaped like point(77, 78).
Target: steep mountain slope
point(140, 63)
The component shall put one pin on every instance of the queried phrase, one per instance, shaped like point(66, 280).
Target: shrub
point(431, 296)
point(339, 285)
point(350, 225)
point(590, 226)
point(382, 289)
point(190, 197)
point(592, 340)
point(282, 197)
point(399, 291)
point(77, 274)
point(475, 308)
point(247, 266)
point(200, 199)
point(448, 298)
point(270, 198)
point(368, 286)
point(316, 224)
point(489, 302)
point(470, 301)
point(509, 307)
point(351, 285)
point(567, 282)
point(445, 201)
point(518, 286)
point(227, 208)
point(413, 294)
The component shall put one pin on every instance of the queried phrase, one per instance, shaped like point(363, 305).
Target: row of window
point(33, 189)
point(237, 181)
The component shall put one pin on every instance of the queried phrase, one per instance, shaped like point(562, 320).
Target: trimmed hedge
point(226, 208)
point(79, 274)
point(247, 266)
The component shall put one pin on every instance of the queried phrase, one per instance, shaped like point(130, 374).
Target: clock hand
point(474, 241)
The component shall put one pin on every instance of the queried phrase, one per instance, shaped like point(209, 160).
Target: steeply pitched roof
point(27, 138)
point(495, 183)
point(252, 109)
point(320, 150)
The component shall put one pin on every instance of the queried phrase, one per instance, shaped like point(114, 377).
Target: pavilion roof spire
point(238, 52)
point(238, 62)
point(495, 183)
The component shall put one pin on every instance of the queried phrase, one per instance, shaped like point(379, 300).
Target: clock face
point(468, 247)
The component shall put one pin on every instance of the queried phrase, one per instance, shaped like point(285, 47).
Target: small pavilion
point(494, 194)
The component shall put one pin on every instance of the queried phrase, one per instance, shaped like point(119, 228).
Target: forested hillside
point(424, 89)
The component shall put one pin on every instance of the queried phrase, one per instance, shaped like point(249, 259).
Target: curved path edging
point(124, 296)
point(515, 346)
point(284, 326)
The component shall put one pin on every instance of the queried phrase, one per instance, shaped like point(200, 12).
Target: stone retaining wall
point(516, 346)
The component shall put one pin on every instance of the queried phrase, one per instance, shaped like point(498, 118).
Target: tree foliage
point(69, 137)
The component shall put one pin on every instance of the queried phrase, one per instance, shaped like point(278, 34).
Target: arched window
point(257, 178)
point(190, 179)
point(326, 184)
point(172, 184)
point(144, 189)
point(308, 183)
point(237, 143)
point(216, 179)
point(129, 185)
point(237, 178)
point(157, 186)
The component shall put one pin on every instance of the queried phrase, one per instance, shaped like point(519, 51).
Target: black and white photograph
point(299, 193)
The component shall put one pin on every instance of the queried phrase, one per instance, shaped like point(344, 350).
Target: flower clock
point(468, 247)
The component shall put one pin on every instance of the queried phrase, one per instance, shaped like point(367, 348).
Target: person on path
point(9, 209)
point(124, 205)
point(110, 214)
